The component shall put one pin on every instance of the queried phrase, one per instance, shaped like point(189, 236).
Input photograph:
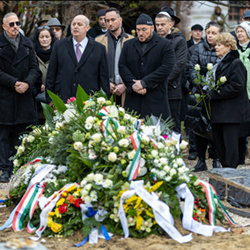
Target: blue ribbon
point(2, 201)
point(105, 233)
point(82, 243)
point(91, 212)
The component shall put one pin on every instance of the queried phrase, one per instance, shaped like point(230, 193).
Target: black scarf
point(111, 55)
point(44, 55)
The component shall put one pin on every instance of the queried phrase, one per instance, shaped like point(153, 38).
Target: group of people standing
point(143, 73)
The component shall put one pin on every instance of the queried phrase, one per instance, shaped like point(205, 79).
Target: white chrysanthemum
point(123, 143)
point(162, 173)
point(121, 130)
point(93, 193)
point(122, 110)
point(90, 119)
point(30, 138)
point(88, 126)
point(97, 137)
point(172, 172)
point(78, 146)
point(20, 149)
point(127, 116)
point(154, 153)
point(101, 100)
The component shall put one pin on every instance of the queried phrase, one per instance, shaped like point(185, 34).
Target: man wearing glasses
point(56, 27)
point(19, 72)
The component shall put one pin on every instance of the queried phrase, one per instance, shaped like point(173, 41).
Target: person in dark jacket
point(100, 27)
point(77, 60)
point(230, 104)
point(243, 44)
point(203, 54)
point(164, 23)
point(145, 63)
point(19, 73)
point(196, 35)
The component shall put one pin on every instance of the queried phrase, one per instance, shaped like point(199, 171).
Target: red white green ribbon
point(211, 194)
point(103, 112)
point(106, 123)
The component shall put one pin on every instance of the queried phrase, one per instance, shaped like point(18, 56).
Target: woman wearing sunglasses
point(56, 27)
point(43, 41)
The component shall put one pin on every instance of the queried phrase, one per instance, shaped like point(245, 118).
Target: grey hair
point(164, 16)
point(9, 14)
point(86, 20)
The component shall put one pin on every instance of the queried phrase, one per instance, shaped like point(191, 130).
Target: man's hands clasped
point(138, 88)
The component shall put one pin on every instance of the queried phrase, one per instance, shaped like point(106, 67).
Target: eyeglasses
point(18, 23)
point(44, 27)
point(55, 28)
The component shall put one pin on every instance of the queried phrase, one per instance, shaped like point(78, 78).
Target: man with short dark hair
point(145, 63)
point(196, 35)
point(113, 40)
point(19, 73)
point(100, 28)
point(77, 60)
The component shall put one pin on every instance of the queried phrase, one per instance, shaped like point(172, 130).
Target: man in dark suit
point(77, 60)
point(145, 63)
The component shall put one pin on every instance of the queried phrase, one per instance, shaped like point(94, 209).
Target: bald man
point(77, 60)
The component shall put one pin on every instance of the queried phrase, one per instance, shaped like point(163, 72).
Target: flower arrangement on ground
point(92, 152)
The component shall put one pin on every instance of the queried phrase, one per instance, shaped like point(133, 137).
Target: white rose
point(30, 138)
point(98, 177)
point(122, 110)
point(90, 177)
point(197, 67)
point(112, 157)
point(168, 143)
point(209, 66)
point(175, 165)
point(172, 172)
point(223, 79)
point(84, 193)
point(90, 119)
point(168, 178)
point(166, 168)
point(123, 143)
point(163, 161)
point(181, 171)
point(179, 161)
point(127, 116)
point(87, 199)
point(20, 149)
point(121, 130)
point(88, 126)
point(107, 183)
point(97, 137)
point(83, 182)
point(78, 146)
point(145, 139)
point(16, 163)
point(101, 100)
point(160, 145)
point(91, 144)
point(183, 144)
point(88, 187)
point(37, 131)
point(69, 114)
point(131, 154)
point(154, 153)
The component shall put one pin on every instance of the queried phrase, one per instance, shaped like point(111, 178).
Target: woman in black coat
point(230, 104)
point(203, 54)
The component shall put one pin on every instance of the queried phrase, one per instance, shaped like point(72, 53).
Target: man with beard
point(113, 40)
point(145, 63)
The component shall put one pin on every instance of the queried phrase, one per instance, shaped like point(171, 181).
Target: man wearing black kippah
point(196, 35)
point(145, 63)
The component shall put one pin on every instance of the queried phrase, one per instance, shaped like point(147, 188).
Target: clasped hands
point(138, 88)
point(21, 87)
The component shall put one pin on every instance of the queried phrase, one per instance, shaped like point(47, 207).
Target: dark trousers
point(242, 150)
point(226, 136)
point(175, 109)
point(192, 144)
point(9, 138)
point(201, 147)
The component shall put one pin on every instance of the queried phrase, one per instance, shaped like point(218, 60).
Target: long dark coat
point(65, 73)
point(231, 104)
point(22, 66)
point(153, 67)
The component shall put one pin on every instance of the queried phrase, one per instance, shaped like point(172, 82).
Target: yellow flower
point(138, 202)
point(64, 194)
point(71, 188)
point(120, 194)
point(50, 221)
point(60, 202)
point(55, 227)
point(149, 213)
point(155, 187)
point(51, 214)
point(139, 221)
point(57, 213)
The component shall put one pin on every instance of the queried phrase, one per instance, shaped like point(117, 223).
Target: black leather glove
point(209, 96)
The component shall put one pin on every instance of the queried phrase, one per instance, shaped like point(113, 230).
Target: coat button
point(74, 84)
point(141, 63)
point(76, 71)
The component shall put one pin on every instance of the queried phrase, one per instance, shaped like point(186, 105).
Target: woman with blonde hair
point(229, 104)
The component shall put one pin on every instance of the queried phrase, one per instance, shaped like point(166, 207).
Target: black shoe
point(216, 163)
point(4, 178)
point(192, 156)
point(200, 166)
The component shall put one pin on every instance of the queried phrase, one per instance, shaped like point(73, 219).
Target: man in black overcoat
point(19, 72)
point(145, 63)
point(65, 72)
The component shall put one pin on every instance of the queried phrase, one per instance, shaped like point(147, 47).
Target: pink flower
point(165, 137)
point(71, 99)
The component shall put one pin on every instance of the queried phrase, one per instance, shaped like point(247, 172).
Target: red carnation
point(78, 202)
point(63, 208)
